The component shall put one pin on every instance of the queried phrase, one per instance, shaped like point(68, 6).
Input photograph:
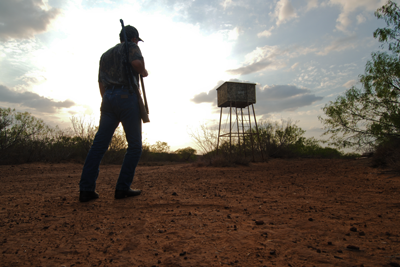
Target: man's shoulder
point(113, 49)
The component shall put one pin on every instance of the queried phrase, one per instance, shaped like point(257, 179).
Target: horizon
point(301, 55)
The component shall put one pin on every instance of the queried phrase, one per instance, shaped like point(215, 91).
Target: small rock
point(174, 194)
point(182, 253)
point(394, 264)
point(272, 252)
point(351, 247)
point(361, 233)
point(330, 243)
point(310, 219)
point(259, 222)
point(353, 229)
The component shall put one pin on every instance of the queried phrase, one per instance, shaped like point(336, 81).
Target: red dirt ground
point(301, 212)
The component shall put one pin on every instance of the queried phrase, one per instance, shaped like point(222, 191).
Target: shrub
point(387, 154)
point(186, 154)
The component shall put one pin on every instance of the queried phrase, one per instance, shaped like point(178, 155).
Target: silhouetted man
point(118, 105)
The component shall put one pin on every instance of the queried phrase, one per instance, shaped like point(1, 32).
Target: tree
point(186, 153)
point(364, 117)
point(204, 138)
point(18, 127)
point(160, 147)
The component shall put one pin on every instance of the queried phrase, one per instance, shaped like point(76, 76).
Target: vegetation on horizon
point(24, 138)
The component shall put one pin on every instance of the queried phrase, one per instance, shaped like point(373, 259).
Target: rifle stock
point(132, 81)
point(144, 94)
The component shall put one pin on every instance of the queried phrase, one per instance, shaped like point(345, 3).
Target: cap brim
point(140, 39)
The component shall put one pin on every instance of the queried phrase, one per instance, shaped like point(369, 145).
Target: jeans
point(118, 105)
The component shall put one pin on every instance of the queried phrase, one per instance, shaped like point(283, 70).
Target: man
point(118, 105)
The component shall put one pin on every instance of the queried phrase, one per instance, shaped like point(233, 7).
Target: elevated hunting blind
point(239, 96)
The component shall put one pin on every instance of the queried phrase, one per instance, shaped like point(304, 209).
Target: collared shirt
point(112, 69)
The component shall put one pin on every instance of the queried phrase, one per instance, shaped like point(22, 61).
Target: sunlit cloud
point(32, 100)
point(340, 44)
point(266, 33)
point(25, 19)
point(311, 4)
point(283, 12)
point(350, 83)
point(350, 6)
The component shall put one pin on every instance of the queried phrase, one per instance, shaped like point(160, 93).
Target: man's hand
point(145, 73)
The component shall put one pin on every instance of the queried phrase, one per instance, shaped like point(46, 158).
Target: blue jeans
point(118, 105)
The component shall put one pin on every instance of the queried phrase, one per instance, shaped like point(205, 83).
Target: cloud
point(294, 66)
point(311, 4)
point(20, 19)
point(226, 3)
point(349, 6)
point(260, 59)
point(33, 100)
point(234, 34)
point(270, 99)
point(283, 12)
point(204, 97)
point(278, 98)
point(361, 19)
point(340, 44)
point(274, 58)
point(350, 83)
point(266, 33)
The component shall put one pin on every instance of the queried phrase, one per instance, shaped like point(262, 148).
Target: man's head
point(131, 32)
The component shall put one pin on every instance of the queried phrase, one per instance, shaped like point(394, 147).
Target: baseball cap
point(135, 32)
point(131, 32)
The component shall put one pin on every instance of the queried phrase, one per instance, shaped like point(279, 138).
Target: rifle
point(144, 110)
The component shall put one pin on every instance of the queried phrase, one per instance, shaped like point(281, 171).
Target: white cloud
point(226, 3)
point(266, 33)
point(350, 83)
point(340, 45)
point(294, 65)
point(361, 19)
point(284, 11)
point(349, 6)
point(259, 59)
point(312, 4)
point(234, 34)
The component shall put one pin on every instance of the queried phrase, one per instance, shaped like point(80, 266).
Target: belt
point(117, 86)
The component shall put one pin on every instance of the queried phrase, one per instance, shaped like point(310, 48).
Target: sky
point(300, 54)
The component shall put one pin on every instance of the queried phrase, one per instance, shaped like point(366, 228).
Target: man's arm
point(138, 66)
point(102, 89)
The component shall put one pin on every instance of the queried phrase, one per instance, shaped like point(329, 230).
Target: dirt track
point(301, 212)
